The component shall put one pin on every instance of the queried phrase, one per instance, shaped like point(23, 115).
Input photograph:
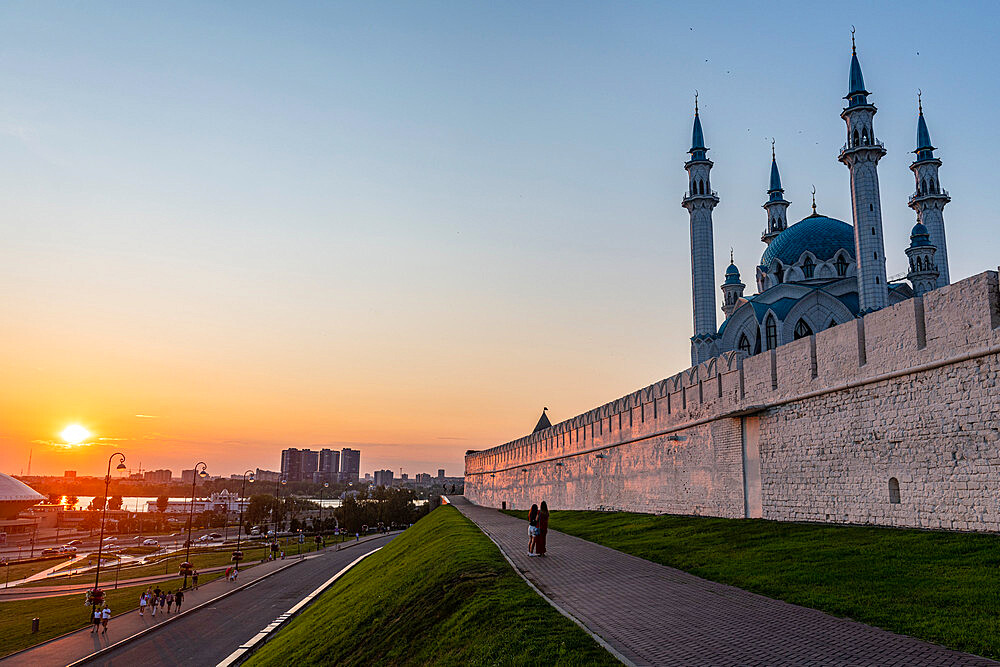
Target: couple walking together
point(538, 528)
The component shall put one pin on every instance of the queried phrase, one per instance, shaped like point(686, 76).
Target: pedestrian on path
point(229, 573)
point(543, 529)
point(194, 579)
point(532, 529)
point(96, 620)
point(154, 601)
point(105, 617)
point(170, 600)
point(179, 599)
point(163, 601)
point(142, 603)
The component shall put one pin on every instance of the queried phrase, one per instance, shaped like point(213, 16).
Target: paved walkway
point(656, 615)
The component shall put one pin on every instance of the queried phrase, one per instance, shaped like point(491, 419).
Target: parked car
point(111, 539)
point(50, 551)
point(204, 538)
point(67, 549)
point(74, 543)
point(255, 532)
point(150, 543)
point(215, 536)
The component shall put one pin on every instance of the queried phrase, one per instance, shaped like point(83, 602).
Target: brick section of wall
point(832, 428)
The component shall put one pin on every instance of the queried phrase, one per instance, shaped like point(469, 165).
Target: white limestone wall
point(810, 431)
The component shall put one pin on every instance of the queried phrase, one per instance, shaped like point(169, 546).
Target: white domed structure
point(16, 496)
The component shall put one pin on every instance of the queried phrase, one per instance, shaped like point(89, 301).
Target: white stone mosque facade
point(833, 394)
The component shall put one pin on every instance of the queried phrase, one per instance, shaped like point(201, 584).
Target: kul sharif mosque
point(817, 272)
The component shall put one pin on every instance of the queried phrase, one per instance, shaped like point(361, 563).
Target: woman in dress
point(543, 529)
point(532, 529)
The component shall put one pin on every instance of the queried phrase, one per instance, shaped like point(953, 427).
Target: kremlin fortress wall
point(891, 419)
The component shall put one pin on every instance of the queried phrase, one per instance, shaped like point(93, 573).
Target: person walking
point(142, 603)
point(170, 600)
point(105, 617)
point(229, 573)
point(96, 620)
point(154, 601)
point(194, 579)
point(532, 529)
point(543, 529)
point(179, 599)
point(163, 602)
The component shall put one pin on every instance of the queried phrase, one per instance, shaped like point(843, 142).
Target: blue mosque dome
point(919, 236)
point(820, 235)
point(732, 275)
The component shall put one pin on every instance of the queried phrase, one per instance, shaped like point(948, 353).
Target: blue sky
point(411, 225)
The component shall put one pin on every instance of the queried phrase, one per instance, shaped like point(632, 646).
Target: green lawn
point(440, 594)
point(938, 586)
point(22, 570)
point(200, 558)
point(64, 613)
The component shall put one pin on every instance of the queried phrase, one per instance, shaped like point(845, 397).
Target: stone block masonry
point(891, 419)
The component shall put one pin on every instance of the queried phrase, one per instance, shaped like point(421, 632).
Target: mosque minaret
point(700, 201)
point(818, 272)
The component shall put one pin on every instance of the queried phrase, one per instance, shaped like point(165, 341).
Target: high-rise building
point(157, 476)
point(187, 476)
point(291, 464)
point(440, 473)
point(383, 478)
point(310, 465)
point(423, 478)
point(350, 464)
point(329, 465)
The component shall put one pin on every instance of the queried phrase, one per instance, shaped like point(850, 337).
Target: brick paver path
point(656, 615)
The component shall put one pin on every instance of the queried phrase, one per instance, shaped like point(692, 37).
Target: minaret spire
point(929, 199)
point(700, 201)
point(776, 205)
point(861, 155)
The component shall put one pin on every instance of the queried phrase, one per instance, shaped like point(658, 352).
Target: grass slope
point(941, 587)
point(440, 593)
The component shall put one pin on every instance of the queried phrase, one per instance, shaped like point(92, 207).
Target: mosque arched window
point(920, 264)
point(771, 332)
point(841, 265)
point(744, 344)
point(808, 267)
point(802, 329)
point(779, 272)
point(933, 185)
point(856, 140)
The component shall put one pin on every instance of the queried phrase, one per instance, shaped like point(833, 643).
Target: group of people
point(538, 528)
point(101, 617)
point(152, 598)
point(232, 573)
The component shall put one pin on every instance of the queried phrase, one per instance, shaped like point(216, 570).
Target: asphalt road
point(209, 635)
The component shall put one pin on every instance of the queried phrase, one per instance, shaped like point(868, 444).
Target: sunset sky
point(230, 228)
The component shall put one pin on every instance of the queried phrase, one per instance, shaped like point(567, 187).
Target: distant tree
point(162, 503)
point(71, 501)
point(97, 504)
point(115, 503)
point(54, 498)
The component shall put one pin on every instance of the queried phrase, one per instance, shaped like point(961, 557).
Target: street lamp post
point(194, 481)
point(239, 528)
point(322, 497)
point(100, 545)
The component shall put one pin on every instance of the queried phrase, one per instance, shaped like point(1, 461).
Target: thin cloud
point(148, 416)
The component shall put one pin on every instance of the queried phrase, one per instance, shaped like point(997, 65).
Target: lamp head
point(326, 485)
point(203, 474)
point(284, 481)
point(120, 466)
point(251, 479)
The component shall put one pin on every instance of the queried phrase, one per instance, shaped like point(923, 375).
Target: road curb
point(248, 648)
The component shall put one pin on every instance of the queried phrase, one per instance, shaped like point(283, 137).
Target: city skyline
point(256, 240)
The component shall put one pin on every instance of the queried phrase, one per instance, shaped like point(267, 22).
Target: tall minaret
point(861, 154)
point(699, 201)
point(776, 206)
point(929, 199)
point(923, 273)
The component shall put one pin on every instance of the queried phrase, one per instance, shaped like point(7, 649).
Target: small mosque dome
point(732, 275)
point(919, 236)
point(822, 236)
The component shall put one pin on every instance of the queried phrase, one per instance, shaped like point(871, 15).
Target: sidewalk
point(656, 615)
